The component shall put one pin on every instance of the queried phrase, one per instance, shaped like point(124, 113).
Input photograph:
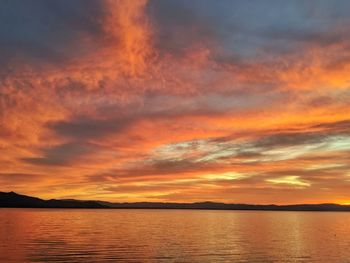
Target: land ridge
point(14, 200)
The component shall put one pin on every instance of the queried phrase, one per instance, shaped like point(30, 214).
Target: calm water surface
point(58, 235)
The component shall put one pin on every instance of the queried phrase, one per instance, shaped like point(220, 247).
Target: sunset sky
point(176, 100)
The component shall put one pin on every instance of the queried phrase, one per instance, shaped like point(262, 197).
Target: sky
point(176, 100)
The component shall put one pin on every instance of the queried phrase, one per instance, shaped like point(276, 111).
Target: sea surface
point(138, 235)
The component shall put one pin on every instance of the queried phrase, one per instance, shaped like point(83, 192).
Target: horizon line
point(180, 203)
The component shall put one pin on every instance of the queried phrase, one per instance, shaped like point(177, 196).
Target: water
point(59, 235)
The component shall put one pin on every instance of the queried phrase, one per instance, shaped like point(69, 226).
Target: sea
point(151, 235)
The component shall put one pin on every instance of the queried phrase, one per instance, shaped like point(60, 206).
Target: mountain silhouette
point(12, 199)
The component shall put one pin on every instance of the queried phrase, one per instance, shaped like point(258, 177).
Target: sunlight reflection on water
point(77, 235)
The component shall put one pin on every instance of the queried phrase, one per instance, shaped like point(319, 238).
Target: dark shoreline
point(188, 209)
point(14, 200)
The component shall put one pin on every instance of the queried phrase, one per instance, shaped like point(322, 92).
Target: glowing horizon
point(176, 101)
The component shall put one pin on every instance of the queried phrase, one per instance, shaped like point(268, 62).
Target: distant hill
point(223, 206)
point(13, 199)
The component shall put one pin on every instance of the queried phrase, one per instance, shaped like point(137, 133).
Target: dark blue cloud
point(63, 154)
point(46, 31)
point(82, 128)
point(247, 27)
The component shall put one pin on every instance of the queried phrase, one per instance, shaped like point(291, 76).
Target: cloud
point(88, 128)
point(289, 180)
point(63, 154)
point(339, 126)
point(176, 100)
point(44, 32)
point(13, 178)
